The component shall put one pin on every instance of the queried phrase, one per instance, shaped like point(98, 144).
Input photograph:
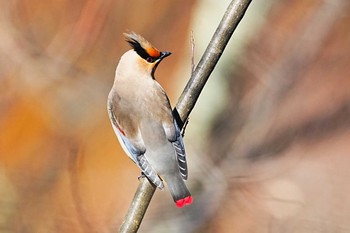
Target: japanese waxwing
point(142, 119)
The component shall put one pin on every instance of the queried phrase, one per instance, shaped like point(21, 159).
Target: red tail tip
point(185, 201)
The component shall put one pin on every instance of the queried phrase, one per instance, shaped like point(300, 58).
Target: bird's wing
point(173, 133)
point(134, 148)
point(180, 152)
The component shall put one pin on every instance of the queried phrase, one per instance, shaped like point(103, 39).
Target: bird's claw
point(141, 176)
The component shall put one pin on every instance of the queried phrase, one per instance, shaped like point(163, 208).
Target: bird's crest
point(141, 46)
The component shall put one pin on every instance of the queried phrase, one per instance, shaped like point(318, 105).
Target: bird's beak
point(164, 55)
point(156, 63)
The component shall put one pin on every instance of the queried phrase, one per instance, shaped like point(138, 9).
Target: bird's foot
point(141, 176)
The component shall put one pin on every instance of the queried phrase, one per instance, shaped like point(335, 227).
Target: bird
point(143, 121)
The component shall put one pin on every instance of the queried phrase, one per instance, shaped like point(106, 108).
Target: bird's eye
point(149, 59)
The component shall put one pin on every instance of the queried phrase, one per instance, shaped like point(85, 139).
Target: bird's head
point(146, 56)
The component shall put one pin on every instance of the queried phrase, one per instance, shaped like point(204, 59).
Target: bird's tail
point(179, 191)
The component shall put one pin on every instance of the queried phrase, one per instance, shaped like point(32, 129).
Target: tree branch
point(233, 15)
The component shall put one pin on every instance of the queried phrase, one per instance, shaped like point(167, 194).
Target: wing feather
point(173, 133)
point(136, 154)
point(180, 152)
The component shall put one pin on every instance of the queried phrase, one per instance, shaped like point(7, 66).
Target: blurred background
point(267, 143)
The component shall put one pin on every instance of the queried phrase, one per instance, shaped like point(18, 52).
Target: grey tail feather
point(177, 188)
point(149, 172)
point(181, 159)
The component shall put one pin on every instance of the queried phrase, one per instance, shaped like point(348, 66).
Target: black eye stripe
point(141, 51)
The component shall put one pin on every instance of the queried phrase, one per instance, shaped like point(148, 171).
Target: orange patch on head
point(153, 52)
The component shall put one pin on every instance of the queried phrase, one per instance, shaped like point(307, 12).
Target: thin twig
point(193, 45)
point(233, 15)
